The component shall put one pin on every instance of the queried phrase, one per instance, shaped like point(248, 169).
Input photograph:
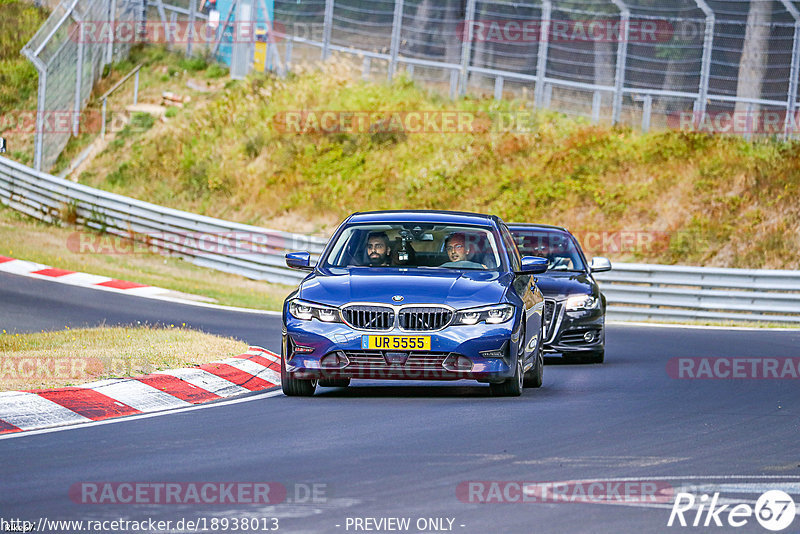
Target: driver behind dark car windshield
point(458, 250)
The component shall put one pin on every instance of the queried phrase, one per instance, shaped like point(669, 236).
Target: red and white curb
point(105, 283)
point(256, 370)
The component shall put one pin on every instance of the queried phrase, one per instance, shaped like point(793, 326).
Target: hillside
point(668, 197)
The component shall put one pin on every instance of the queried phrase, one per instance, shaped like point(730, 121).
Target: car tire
point(296, 387)
point(535, 375)
point(597, 356)
point(511, 387)
point(334, 383)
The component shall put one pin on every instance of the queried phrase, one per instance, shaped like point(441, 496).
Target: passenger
point(378, 249)
point(458, 251)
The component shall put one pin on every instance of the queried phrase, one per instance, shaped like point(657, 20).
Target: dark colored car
point(575, 309)
point(415, 295)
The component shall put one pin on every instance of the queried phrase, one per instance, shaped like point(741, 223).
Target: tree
point(753, 62)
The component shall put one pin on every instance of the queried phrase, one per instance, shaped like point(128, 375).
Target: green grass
point(718, 200)
point(25, 238)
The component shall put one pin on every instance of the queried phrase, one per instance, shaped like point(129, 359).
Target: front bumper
point(567, 331)
point(309, 348)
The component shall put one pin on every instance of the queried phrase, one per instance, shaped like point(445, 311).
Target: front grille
point(421, 319)
point(551, 311)
point(369, 317)
point(374, 360)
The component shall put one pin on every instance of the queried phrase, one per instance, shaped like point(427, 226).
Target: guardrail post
point(541, 60)
point(647, 109)
point(622, 59)
point(394, 46)
point(103, 120)
point(326, 29)
point(136, 89)
point(597, 100)
point(498, 88)
point(466, 46)
point(365, 67)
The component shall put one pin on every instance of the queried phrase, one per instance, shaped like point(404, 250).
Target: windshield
point(558, 247)
point(415, 245)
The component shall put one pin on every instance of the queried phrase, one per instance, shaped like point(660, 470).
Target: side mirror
point(299, 260)
point(600, 264)
point(534, 265)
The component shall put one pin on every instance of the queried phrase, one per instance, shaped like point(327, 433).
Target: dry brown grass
point(72, 357)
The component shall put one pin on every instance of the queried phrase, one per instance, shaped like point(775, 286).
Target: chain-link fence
point(726, 66)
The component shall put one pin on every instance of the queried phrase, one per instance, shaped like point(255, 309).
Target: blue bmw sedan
point(415, 295)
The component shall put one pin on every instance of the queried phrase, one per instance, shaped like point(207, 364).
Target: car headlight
point(305, 311)
point(582, 302)
point(499, 313)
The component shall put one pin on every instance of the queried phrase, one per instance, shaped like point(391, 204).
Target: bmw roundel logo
point(397, 298)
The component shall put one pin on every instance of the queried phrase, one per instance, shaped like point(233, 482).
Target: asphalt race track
point(380, 450)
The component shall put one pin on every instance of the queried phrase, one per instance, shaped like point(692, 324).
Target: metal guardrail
point(669, 293)
point(634, 291)
point(242, 249)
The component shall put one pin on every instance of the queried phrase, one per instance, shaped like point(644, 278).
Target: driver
point(458, 251)
point(378, 249)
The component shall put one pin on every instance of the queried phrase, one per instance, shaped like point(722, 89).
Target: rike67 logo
point(774, 510)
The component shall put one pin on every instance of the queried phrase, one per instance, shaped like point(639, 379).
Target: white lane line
point(28, 411)
point(138, 395)
point(259, 397)
point(205, 380)
point(255, 369)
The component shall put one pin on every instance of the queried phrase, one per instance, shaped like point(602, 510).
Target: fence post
point(622, 59)
point(365, 67)
point(466, 46)
point(191, 33)
point(40, 111)
point(112, 17)
point(394, 47)
point(541, 60)
point(326, 29)
point(705, 68)
point(76, 108)
point(789, 122)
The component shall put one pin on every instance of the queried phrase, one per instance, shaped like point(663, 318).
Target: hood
point(559, 285)
point(459, 289)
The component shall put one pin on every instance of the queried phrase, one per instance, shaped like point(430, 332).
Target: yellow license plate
point(396, 342)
